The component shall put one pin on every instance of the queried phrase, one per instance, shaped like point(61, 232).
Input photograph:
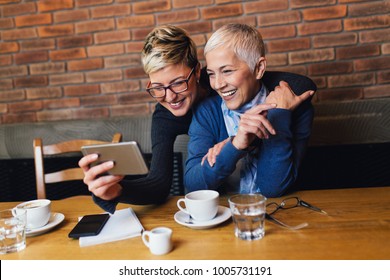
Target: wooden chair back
point(41, 151)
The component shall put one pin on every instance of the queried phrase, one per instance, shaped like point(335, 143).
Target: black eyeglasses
point(176, 87)
point(288, 203)
point(291, 202)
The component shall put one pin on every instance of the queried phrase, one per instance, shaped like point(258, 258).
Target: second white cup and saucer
point(40, 219)
point(202, 210)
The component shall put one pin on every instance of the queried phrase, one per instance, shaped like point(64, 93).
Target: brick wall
point(79, 59)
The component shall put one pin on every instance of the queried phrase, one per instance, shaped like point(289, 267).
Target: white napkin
point(123, 224)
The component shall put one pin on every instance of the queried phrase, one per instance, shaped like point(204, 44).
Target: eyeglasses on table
point(288, 203)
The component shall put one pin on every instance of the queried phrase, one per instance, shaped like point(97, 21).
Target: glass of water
point(12, 230)
point(248, 211)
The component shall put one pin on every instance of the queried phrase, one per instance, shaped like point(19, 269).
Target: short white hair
point(245, 41)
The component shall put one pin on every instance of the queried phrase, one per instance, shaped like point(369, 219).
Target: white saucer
point(55, 219)
point(223, 214)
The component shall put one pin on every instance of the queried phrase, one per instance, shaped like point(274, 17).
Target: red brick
point(105, 50)
point(357, 51)
point(383, 77)
point(381, 7)
point(18, 9)
point(305, 3)
point(47, 68)
point(151, 6)
point(122, 60)
point(265, 6)
point(3, 109)
point(68, 78)
point(6, 23)
point(25, 106)
point(9, 47)
point(61, 103)
point(56, 30)
point(311, 56)
point(75, 41)
point(43, 93)
point(81, 90)
point(196, 27)
point(276, 59)
point(135, 97)
point(330, 68)
point(13, 71)
point(376, 63)
point(178, 16)
point(134, 47)
point(69, 16)
point(95, 25)
point(292, 44)
point(326, 13)
point(221, 11)
point(104, 76)
point(189, 4)
point(331, 26)
point(37, 45)
point(5, 60)
point(112, 36)
point(18, 34)
point(91, 113)
point(85, 64)
point(50, 5)
point(32, 20)
point(138, 34)
point(377, 91)
point(373, 36)
point(85, 3)
point(123, 86)
point(31, 57)
point(351, 80)
point(367, 22)
point(340, 94)
point(97, 100)
point(250, 20)
point(385, 49)
point(19, 118)
point(111, 11)
point(130, 110)
point(136, 72)
point(6, 84)
point(135, 21)
point(280, 31)
point(12, 95)
point(30, 81)
point(54, 115)
point(334, 40)
point(279, 18)
point(68, 54)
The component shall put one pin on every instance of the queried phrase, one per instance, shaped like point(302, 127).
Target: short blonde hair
point(245, 41)
point(167, 45)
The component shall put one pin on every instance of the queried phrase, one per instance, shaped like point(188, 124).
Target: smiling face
point(177, 104)
point(232, 78)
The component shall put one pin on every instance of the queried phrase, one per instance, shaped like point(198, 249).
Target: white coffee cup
point(200, 205)
point(38, 212)
point(158, 240)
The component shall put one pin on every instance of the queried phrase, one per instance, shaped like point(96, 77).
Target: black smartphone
point(89, 225)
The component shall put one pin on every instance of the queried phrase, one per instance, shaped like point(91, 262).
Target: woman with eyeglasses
point(170, 59)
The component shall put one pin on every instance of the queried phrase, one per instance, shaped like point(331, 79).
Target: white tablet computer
point(127, 157)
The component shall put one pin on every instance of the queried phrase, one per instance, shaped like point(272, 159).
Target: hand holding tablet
point(127, 157)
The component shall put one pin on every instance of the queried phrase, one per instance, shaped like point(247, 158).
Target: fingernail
point(311, 92)
point(95, 156)
point(110, 163)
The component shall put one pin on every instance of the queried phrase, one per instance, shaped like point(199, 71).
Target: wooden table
point(358, 227)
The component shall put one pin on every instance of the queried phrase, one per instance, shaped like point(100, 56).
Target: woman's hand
point(103, 186)
point(213, 152)
point(285, 98)
point(253, 123)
